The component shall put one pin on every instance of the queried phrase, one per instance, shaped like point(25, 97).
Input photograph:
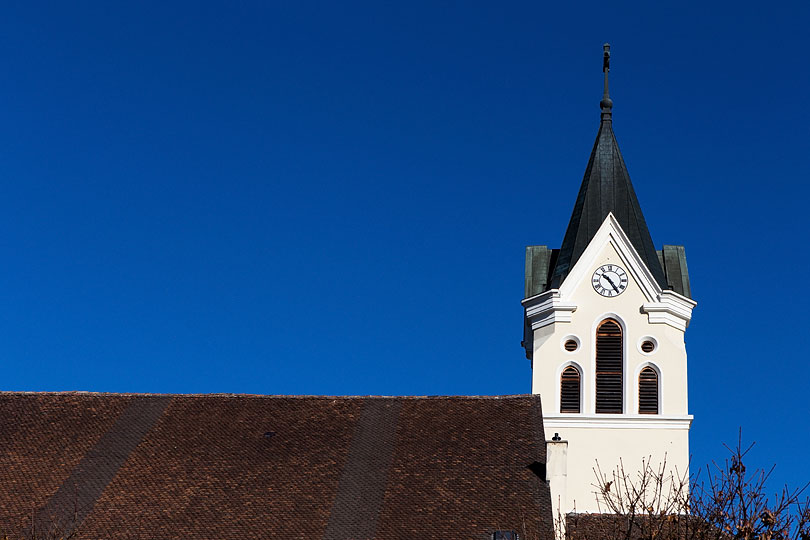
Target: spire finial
point(606, 103)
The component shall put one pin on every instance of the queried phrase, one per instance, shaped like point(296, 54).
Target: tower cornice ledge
point(548, 308)
point(618, 421)
point(672, 308)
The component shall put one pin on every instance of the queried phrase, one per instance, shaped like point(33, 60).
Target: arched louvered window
point(609, 367)
point(569, 390)
point(648, 391)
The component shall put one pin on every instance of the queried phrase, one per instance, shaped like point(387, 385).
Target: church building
point(605, 316)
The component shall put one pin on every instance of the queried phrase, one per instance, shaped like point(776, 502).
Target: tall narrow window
point(609, 366)
point(648, 391)
point(569, 390)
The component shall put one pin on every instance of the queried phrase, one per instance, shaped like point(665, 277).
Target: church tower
point(605, 317)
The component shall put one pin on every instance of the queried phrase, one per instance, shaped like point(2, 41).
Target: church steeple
point(604, 323)
point(606, 188)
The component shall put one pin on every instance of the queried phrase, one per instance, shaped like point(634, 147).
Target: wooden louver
point(609, 366)
point(569, 390)
point(648, 391)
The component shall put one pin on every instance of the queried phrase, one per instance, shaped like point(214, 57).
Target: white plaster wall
point(669, 358)
point(610, 446)
point(630, 436)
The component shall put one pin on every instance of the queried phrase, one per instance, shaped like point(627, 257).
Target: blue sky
point(334, 198)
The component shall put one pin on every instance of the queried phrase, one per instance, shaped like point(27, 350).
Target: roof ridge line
point(83, 393)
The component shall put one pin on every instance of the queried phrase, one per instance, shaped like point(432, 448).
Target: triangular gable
point(610, 232)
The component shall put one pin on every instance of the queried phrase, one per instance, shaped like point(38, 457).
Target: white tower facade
point(605, 317)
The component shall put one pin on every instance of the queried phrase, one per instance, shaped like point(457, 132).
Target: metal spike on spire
point(606, 103)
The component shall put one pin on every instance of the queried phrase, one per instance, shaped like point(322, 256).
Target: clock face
point(609, 280)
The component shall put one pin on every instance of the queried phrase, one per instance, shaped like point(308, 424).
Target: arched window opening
point(609, 367)
point(569, 390)
point(648, 391)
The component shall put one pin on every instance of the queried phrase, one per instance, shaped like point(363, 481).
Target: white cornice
point(621, 421)
point(547, 308)
point(671, 308)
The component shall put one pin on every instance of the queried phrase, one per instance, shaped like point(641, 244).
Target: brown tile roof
point(241, 466)
point(639, 526)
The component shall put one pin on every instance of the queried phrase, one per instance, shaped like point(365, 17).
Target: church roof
point(242, 466)
point(606, 188)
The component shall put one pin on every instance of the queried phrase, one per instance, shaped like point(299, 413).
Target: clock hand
point(611, 282)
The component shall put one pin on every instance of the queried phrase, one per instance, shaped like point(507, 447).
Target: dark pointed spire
point(606, 188)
